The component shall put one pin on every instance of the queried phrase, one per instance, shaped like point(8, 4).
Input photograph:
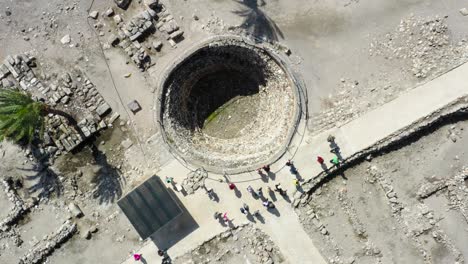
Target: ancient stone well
point(228, 106)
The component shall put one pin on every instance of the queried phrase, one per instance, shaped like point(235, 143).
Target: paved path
point(352, 137)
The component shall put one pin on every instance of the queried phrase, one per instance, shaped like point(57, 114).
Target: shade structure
point(149, 207)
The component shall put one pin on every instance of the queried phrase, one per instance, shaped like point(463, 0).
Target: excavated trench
point(228, 106)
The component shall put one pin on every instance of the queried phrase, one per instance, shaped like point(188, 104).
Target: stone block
point(134, 106)
point(153, 4)
point(109, 12)
point(157, 45)
point(122, 3)
point(114, 116)
point(103, 109)
point(135, 36)
point(176, 34)
point(113, 40)
point(93, 14)
point(118, 19)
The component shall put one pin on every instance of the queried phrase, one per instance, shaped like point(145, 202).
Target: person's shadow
point(298, 176)
point(251, 218)
point(324, 166)
point(263, 176)
point(272, 175)
point(286, 198)
point(260, 218)
point(237, 192)
point(274, 211)
point(272, 196)
point(143, 260)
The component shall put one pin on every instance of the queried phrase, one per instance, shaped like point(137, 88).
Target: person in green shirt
point(335, 161)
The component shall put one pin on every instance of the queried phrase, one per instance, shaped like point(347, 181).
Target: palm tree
point(21, 116)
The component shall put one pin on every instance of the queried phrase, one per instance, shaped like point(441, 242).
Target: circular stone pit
point(229, 106)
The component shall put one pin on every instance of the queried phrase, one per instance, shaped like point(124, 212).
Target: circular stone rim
point(193, 49)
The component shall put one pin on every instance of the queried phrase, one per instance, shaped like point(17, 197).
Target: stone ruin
point(131, 34)
point(222, 73)
point(75, 96)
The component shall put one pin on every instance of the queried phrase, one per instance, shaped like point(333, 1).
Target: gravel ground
point(246, 244)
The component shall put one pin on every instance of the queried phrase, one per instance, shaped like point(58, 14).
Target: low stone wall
point(19, 208)
point(48, 245)
point(457, 109)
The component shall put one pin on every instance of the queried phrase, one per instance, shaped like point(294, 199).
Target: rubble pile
point(425, 43)
point(195, 180)
point(457, 191)
point(240, 244)
point(133, 33)
point(19, 207)
point(49, 243)
point(72, 98)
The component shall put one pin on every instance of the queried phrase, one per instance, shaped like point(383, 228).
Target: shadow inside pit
point(256, 22)
point(174, 231)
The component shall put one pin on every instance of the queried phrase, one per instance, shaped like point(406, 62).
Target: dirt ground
point(342, 49)
point(246, 244)
point(375, 211)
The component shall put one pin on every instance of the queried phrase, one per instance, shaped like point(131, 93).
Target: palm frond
point(20, 115)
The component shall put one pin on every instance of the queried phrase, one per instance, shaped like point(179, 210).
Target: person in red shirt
point(320, 160)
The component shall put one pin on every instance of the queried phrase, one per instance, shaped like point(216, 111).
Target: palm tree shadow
point(256, 22)
point(46, 181)
point(108, 178)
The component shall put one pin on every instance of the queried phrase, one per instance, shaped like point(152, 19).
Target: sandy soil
point(359, 215)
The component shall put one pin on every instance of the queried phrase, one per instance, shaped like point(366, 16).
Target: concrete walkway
point(352, 137)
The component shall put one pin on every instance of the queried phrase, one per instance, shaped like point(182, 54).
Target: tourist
point(232, 186)
point(331, 138)
point(169, 179)
point(279, 189)
point(320, 160)
point(225, 218)
point(246, 207)
point(137, 257)
point(335, 161)
point(251, 190)
point(296, 182)
point(260, 192)
point(266, 168)
point(291, 166)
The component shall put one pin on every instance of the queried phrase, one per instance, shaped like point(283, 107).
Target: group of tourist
point(265, 171)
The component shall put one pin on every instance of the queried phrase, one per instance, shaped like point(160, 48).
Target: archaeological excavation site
point(234, 131)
